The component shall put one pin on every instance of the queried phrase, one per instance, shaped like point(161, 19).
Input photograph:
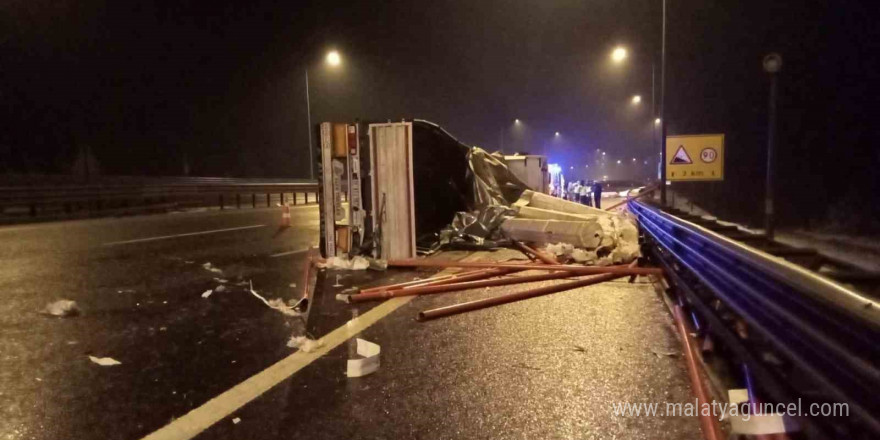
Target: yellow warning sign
point(695, 157)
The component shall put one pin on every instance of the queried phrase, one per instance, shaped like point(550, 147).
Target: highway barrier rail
point(799, 337)
point(27, 198)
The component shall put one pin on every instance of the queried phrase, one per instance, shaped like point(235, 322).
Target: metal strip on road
point(189, 234)
point(282, 254)
point(222, 406)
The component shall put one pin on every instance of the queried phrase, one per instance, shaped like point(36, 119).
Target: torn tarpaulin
point(476, 227)
point(492, 182)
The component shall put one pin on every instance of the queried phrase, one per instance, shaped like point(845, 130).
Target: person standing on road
point(588, 189)
point(582, 193)
point(597, 195)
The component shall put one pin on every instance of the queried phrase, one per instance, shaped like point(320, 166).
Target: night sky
point(146, 84)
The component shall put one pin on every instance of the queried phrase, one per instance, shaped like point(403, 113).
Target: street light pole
point(662, 112)
point(502, 141)
point(309, 122)
point(772, 65)
point(653, 114)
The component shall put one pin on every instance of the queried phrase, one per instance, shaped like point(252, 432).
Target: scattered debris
point(61, 308)
point(105, 361)
point(660, 353)
point(207, 293)
point(236, 421)
point(277, 303)
point(578, 348)
point(369, 362)
point(207, 266)
point(292, 285)
point(338, 284)
point(305, 344)
point(342, 297)
point(220, 288)
point(221, 280)
point(356, 263)
point(125, 291)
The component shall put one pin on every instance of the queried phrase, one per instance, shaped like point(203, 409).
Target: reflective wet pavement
point(547, 367)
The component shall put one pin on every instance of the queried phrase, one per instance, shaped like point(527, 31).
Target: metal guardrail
point(829, 333)
point(128, 194)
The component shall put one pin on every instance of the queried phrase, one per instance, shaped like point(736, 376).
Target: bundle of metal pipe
point(573, 268)
point(519, 296)
point(427, 290)
point(442, 279)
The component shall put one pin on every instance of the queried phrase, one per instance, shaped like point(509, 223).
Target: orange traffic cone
point(285, 216)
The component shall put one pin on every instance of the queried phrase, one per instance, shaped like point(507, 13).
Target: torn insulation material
point(105, 361)
point(62, 308)
point(356, 263)
point(305, 344)
point(207, 266)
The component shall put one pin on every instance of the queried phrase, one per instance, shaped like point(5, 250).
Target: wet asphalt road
point(141, 305)
point(548, 367)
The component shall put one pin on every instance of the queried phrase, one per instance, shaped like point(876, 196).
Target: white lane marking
point(281, 254)
point(189, 234)
point(222, 406)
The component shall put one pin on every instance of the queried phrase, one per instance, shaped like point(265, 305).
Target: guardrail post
point(307, 198)
point(221, 201)
point(253, 200)
point(282, 198)
point(294, 198)
point(268, 200)
point(237, 201)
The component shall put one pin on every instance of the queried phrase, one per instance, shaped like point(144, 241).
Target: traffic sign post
point(695, 157)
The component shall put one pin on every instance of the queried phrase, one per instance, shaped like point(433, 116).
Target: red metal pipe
point(583, 270)
point(430, 281)
point(513, 297)
point(708, 423)
point(427, 290)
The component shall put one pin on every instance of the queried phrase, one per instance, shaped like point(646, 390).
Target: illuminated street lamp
point(516, 122)
point(657, 121)
point(618, 55)
point(637, 99)
point(557, 134)
point(333, 59)
point(618, 161)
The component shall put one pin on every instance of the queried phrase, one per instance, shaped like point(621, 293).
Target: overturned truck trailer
point(385, 186)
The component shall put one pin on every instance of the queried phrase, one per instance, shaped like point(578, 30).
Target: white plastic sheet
point(368, 363)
